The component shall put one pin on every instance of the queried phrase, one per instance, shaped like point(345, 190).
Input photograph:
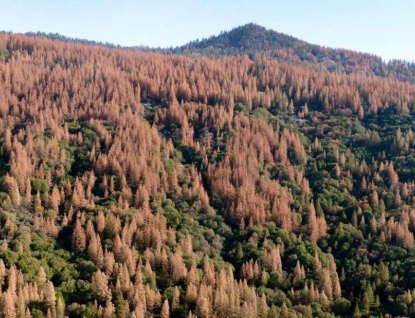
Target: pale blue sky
point(385, 28)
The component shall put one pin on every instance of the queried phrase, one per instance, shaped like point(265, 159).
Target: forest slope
point(258, 42)
point(253, 39)
point(138, 184)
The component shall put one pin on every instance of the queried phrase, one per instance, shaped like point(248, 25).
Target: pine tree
point(100, 222)
point(78, 238)
point(176, 298)
point(8, 310)
point(109, 310)
point(55, 198)
point(356, 312)
point(50, 295)
point(284, 313)
point(165, 311)
point(202, 306)
point(262, 308)
point(100, 286)
point(313, 229)
point(60, 308)
point(120, 304)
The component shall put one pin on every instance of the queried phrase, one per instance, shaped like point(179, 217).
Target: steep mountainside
point(138, 184)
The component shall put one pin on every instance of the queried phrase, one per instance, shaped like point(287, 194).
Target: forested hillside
point(140, 184)
point(253, 39)
point(258, 42)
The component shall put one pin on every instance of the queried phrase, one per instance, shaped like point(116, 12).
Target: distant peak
point(247, 38)
point(251, 25)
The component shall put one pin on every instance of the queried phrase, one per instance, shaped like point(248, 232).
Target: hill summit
point(250, 37)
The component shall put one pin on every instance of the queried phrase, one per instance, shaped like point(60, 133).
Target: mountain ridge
point(257, 41)
point(253, 40)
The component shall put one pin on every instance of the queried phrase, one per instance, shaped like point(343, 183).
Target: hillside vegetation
point(252, 39)
point(140, 184)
